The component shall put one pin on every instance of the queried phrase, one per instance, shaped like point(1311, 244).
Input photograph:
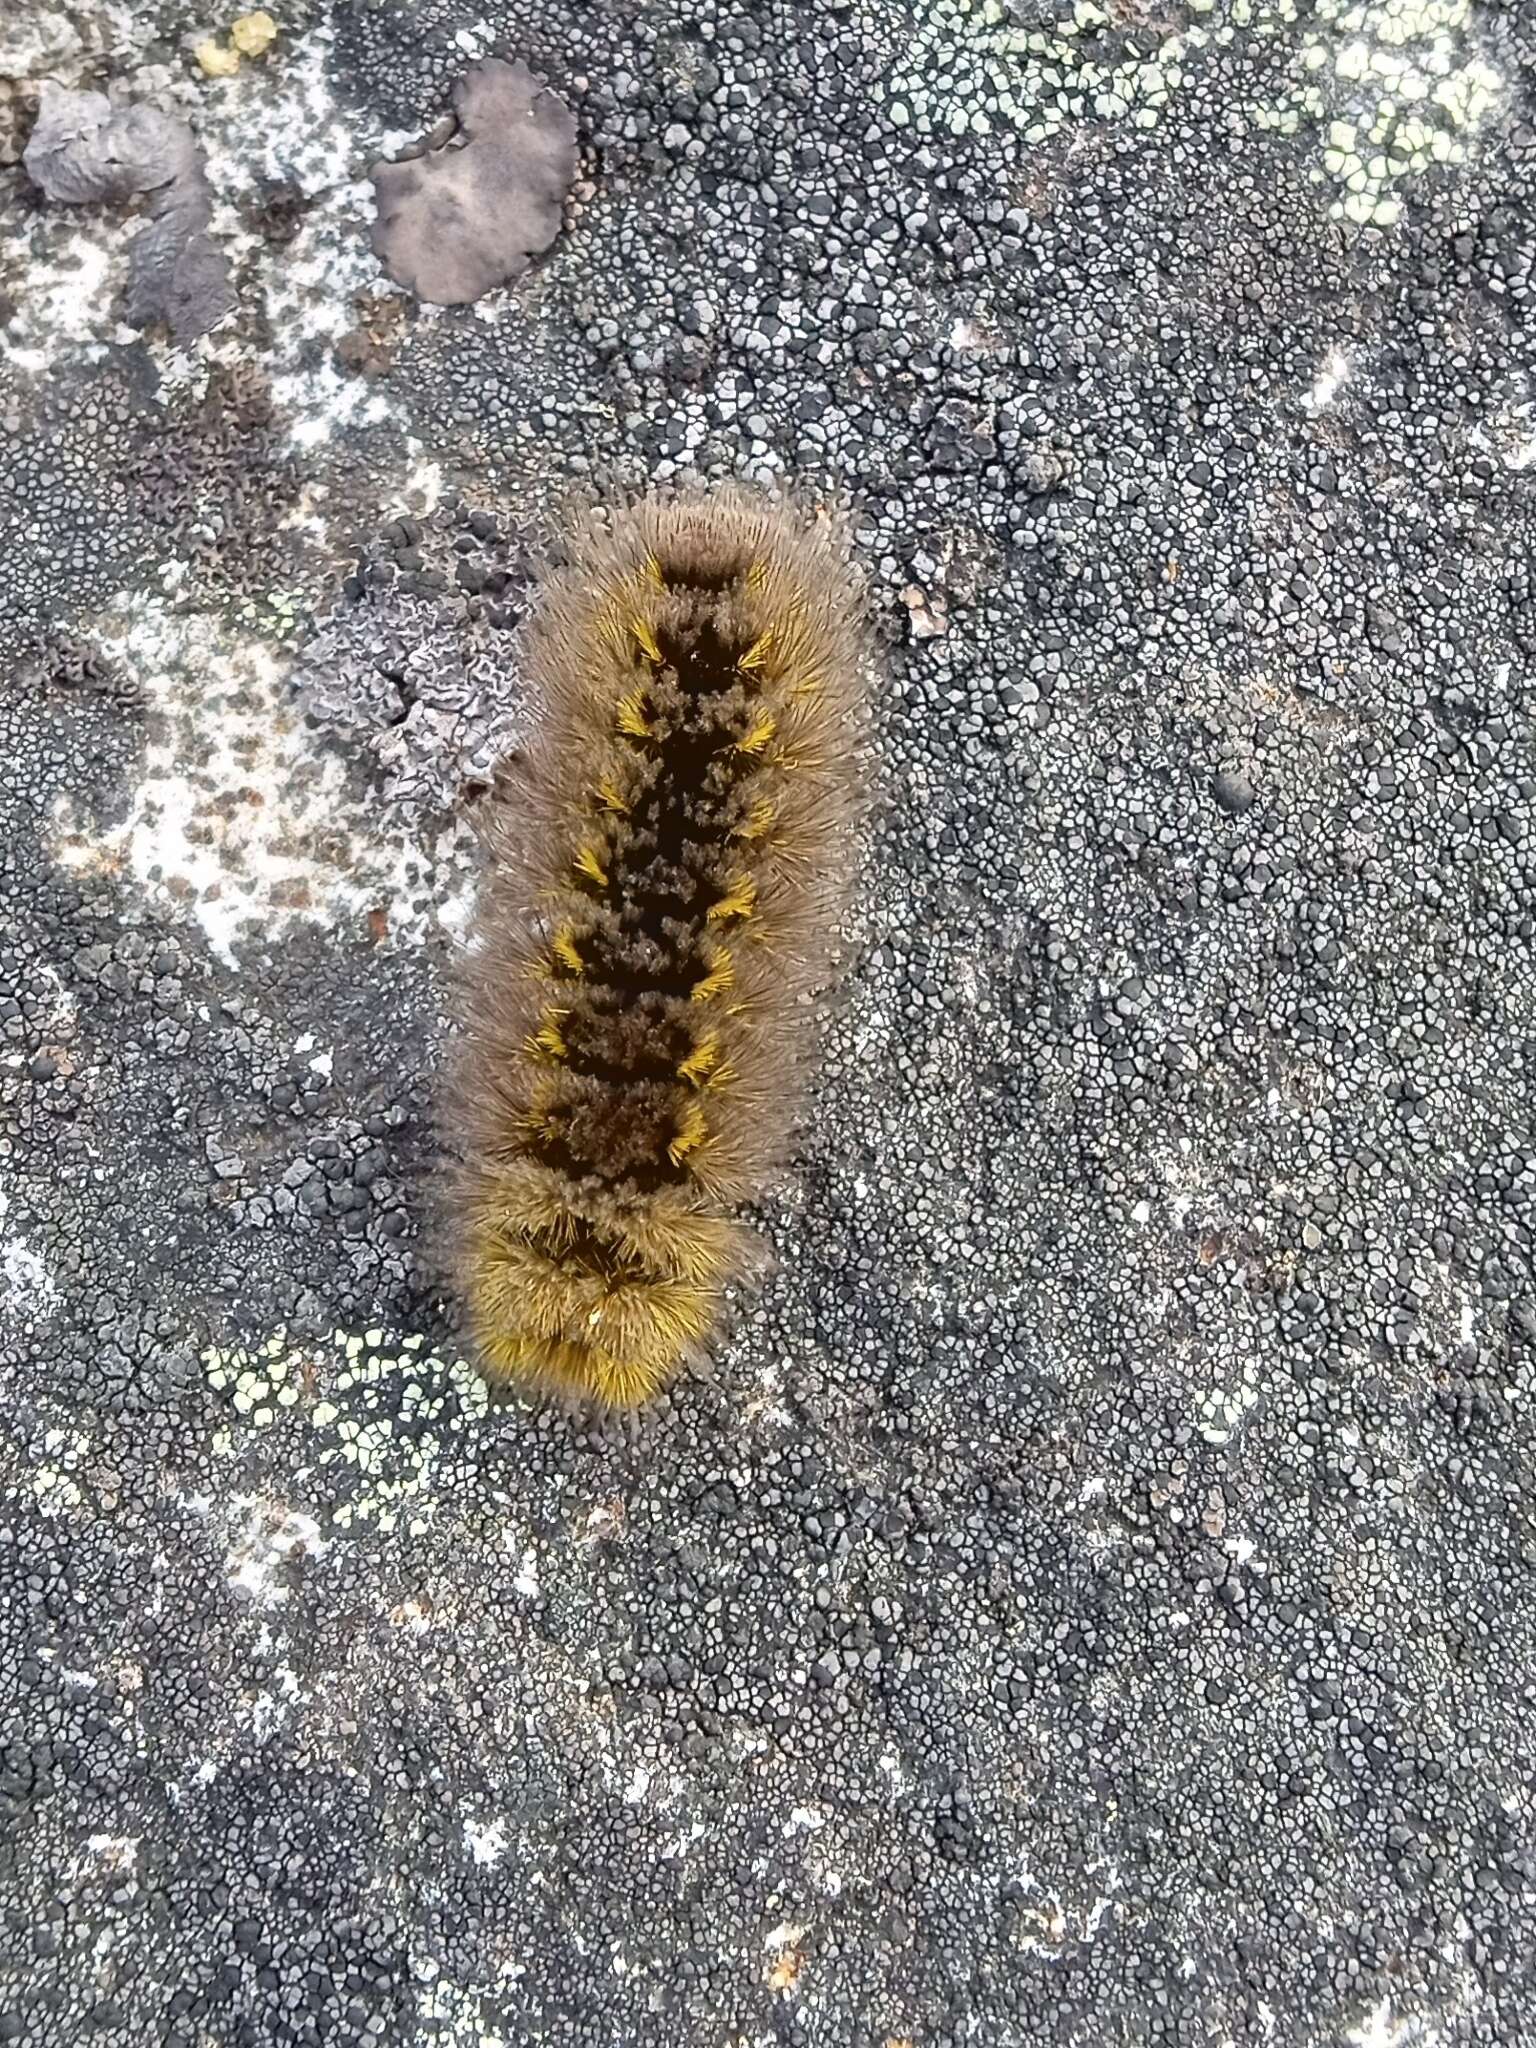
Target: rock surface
point(1091, 1601)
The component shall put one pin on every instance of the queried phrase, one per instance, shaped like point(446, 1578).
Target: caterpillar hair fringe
point(666, 865)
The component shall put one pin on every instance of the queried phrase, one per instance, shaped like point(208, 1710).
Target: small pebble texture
point(1091, 1600)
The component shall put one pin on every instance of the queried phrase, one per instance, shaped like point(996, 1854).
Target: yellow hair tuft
point(640, 627)
point(721, 975)
point(701, 1062)
point(547, 1038)
point(631, 718)
point(690, 1135)
point(588, 864)
point(760, 819)
point(739, 900)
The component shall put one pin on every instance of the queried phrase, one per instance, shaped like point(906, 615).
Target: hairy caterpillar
point(666, 865)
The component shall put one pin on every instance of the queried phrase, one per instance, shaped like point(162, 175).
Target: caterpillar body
point(667, 862)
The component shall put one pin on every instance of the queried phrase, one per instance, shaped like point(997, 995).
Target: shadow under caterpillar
point(667, 864)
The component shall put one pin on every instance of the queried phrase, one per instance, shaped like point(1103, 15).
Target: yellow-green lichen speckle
point(380, 1408)
point(54, 1485)
point(1405, 76)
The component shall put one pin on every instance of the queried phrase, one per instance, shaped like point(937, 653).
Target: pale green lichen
point(1224, 1409)
point(1418, 93)
point(53, 1482)
point(971, 71)
point(1395, 85)
point(382, 1408)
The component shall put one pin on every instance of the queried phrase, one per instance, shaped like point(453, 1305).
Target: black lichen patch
point(216, 477)
point(66, 668)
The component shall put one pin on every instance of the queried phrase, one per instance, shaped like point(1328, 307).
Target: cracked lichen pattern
point(384, 1410)
point(1392, 87)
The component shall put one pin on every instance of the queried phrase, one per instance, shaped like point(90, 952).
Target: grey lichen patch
point(385, 1412)
point(85, 150)
point(457, 221)
point(416, 662)
point(1397, 85)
